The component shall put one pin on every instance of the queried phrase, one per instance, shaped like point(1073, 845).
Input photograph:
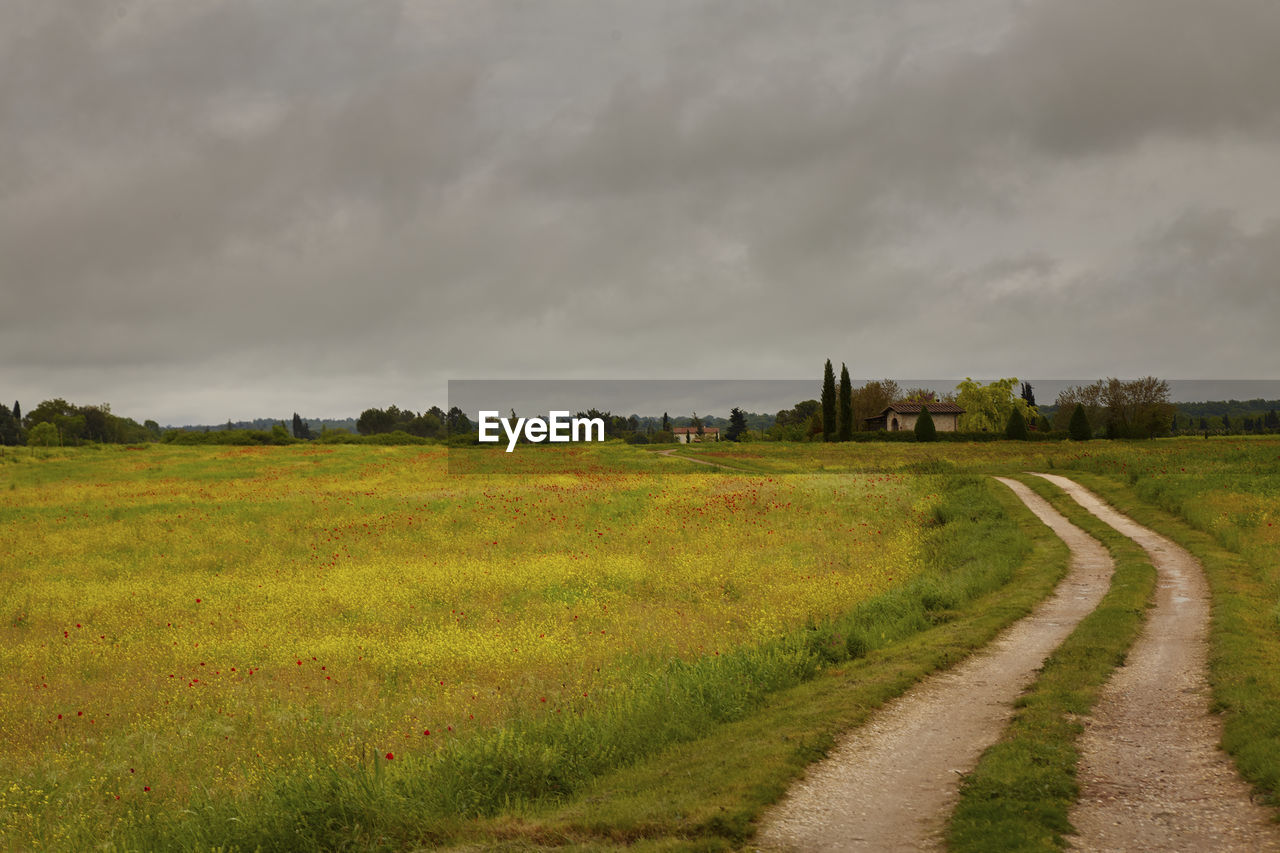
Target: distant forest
point(56, 422)
point(315, 425)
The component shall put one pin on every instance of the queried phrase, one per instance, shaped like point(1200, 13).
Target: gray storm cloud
point(237, 209)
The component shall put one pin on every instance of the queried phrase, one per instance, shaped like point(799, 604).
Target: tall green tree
point(17, 412)
point(1029, 394)
point(846, 405)
point(925, 429)
point(457, 423)
point(375, 421)
point(1079, 429)
point(1016, 428)
point(872, 399)
point(987, 407)
point(737, 424)
point(97, 425)
point(8, 426)
point(427, 425)
point(666, 422)
point(828, 402)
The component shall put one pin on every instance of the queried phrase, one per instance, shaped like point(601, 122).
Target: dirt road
point(1151, 775)
point(890, 785)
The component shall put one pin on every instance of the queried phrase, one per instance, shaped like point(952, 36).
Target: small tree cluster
point(838, 420)
point(71, 425)
point(1139, 408)
point(300, 428)
point(432, 423)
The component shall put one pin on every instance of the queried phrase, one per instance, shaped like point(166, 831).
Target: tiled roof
point(934, 409)
point(694, 430)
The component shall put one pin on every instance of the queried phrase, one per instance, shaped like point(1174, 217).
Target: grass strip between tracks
point(1019, 795)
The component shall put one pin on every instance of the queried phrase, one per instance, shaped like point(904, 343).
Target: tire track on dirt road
point(1150, 773)
point(891, 784)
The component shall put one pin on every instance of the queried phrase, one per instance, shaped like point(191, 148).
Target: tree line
point(57, 423)
point(843, 411)
point(1114, 408)
point(1107, 408)
point(1110, 408)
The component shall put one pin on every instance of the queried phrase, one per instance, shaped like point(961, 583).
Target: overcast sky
point(245, 208)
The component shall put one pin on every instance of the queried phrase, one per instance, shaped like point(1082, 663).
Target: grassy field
point(325, 645)
point(189, 623)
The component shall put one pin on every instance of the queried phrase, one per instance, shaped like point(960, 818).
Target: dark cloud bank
point(242, 208)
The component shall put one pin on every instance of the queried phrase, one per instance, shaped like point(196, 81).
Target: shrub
point(925, 429)
point(1016, 429)
point(1079, 429)
point(43, 435)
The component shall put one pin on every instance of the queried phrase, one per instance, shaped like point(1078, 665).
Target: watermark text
point(557, 427)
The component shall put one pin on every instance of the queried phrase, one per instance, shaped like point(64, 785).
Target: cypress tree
point(1079, 429)
point(737, 424)
point(828, 402)
point(17, 412)
point(846, 405)
point(1016, 428)
point(925, 428)
point(666, 422)
point(1029, 394)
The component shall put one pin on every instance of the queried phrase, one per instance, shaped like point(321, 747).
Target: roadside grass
point(1244, 633)
point(1019, 795)
point(686, 759)
point(708, 794)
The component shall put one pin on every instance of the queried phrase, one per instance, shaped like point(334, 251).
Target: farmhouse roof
point(934, 409)
point(694, 430)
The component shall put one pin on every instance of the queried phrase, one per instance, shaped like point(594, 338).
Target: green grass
point(1019, 795)
point(707, 794)
point(688, 758)
point(1244, 634)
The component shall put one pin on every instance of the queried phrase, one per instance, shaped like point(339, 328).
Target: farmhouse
point(684, 435)
point(903, 416)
